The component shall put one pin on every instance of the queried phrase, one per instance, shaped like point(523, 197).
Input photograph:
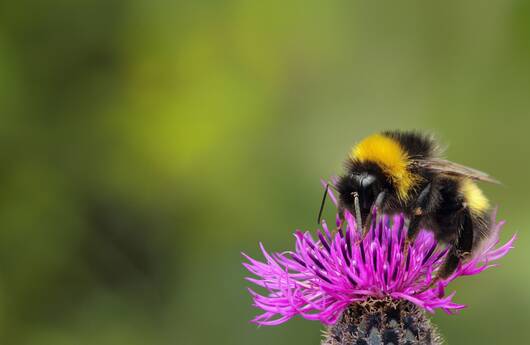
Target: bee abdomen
point(474, 198)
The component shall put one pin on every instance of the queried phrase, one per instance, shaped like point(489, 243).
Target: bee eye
point(356, 177)
point(367, 181)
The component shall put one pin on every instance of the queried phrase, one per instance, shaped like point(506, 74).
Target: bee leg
point(377, 208)
point(466, 235)
point(452, 260)
point(418, 212)
point(358, 218)
point(461, 249)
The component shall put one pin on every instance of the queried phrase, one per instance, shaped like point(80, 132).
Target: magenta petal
point(322, 277)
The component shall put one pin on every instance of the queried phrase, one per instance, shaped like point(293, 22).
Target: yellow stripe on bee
point(390, 156)
point(474, 197)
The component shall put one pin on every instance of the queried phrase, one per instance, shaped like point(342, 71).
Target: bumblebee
point(403, 172)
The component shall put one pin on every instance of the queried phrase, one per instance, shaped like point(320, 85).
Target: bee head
point(366, 185)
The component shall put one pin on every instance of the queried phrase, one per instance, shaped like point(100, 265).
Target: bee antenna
point(323, 203)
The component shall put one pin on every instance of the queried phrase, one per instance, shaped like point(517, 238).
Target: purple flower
point(324, 276)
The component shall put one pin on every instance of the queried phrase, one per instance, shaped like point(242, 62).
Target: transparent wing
point(451, 168)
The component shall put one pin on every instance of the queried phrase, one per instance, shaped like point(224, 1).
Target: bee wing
point(451, 168)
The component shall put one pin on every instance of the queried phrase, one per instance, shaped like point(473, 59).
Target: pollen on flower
point(329, 272)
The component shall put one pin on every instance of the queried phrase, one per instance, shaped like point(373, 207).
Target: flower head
point(326, 274)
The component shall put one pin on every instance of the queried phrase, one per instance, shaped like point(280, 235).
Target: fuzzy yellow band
point(388, 154)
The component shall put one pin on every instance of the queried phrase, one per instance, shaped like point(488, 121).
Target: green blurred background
point(145, 144)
